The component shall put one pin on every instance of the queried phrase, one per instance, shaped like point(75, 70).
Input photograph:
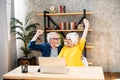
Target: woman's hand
point(86, 22)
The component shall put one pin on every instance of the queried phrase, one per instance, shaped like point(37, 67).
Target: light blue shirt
point(54, 52)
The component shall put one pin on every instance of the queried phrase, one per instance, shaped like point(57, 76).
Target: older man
point(50, 49)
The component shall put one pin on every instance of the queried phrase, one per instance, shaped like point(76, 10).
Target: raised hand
point(39, 32)
point(86, 22)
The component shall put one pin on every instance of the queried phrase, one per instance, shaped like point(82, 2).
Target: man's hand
point(39, 32)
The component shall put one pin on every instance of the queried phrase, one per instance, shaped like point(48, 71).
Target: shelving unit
point(47, 19)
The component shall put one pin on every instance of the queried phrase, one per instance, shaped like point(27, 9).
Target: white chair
point(85, 62)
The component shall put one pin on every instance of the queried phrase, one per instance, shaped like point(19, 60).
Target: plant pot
point(30, 60)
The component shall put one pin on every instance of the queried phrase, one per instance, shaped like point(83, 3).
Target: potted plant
point(26, 31)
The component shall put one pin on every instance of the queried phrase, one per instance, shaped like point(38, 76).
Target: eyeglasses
point(67, 39)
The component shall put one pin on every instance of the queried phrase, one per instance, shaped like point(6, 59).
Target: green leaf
point(31, 34)
point(13, 28)
point(21, 39)
point(15, 21)
point(26, 51)
point(20, 34)
point(13, 31)
point(28, 18)
point(23, 49)
point(34, 26)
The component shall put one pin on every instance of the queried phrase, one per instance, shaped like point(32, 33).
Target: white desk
point(75, 73)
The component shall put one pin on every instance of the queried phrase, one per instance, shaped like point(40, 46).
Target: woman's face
point(68, 42)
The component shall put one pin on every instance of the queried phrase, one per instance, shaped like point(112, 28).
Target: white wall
point(19, 12)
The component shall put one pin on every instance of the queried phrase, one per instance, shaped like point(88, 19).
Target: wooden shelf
point(76, 30)
point(89, 62)
point(89, 46)
point(64, 14)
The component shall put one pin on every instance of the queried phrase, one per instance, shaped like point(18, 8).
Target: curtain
point(7, 56)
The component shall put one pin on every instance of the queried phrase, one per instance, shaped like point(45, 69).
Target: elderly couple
point(72, 50)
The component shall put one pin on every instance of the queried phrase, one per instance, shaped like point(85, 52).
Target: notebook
point(52, 65)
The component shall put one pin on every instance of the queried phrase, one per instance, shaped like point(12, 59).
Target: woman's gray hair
point(74, 37)
point(51, 35)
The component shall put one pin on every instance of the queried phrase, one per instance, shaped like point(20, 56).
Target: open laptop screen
point(52, 65)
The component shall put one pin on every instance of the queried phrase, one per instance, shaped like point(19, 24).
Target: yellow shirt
point(73, 55)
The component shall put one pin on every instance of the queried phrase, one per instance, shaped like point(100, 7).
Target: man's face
point(55, 41)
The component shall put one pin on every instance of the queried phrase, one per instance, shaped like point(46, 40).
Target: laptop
point(52, 65)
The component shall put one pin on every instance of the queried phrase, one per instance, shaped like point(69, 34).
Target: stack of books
point(67, 25)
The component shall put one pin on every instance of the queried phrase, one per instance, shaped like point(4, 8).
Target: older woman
point(72, 51)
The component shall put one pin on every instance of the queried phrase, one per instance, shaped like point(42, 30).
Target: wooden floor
point(112, 75)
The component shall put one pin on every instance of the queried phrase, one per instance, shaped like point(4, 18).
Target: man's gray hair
point(51, 35)
point(74, 37)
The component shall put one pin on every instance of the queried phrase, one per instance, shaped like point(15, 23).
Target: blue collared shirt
point(45, 48)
